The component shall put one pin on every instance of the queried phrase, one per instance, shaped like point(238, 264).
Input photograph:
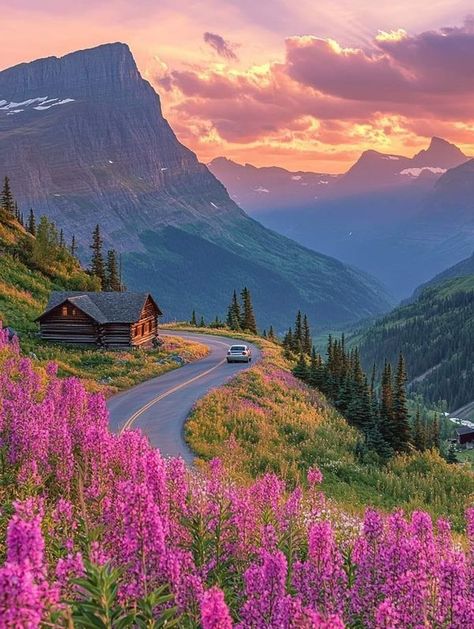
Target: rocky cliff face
point(83, 140)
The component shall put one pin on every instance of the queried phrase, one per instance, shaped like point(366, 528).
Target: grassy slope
point(265, 420)
point(23, 294)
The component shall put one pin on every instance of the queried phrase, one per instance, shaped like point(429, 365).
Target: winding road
point(160, 406)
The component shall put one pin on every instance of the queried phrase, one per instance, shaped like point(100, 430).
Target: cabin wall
point(68, 326)
point(146, 329)
point(116, 334)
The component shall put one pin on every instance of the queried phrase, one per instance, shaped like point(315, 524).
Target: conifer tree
point(307, 341)
point(298, 333)
point(31, 224)
point(234, 314)
point(202, 323)
point(386, 405)
point(271, 334)
point(401, 425)
point(248, 321)
point(301, 368)
point(112, 279)
point(61, 239)
point(7, 201)
point(193, 319)
point(434, 436)
point(97, 261)
point(73, 248)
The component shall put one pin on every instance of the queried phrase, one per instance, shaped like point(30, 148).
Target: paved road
point(160, 407)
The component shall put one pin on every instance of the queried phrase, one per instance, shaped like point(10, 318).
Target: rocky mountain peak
point(93, 73)
point(440, 153)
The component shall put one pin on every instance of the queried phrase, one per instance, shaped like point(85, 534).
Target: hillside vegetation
point(265, 420)
point(29, 271)
point(436, 336)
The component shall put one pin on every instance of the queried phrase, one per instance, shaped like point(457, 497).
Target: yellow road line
point(144, 408)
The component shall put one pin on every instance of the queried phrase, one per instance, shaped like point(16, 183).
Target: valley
point(400, 219)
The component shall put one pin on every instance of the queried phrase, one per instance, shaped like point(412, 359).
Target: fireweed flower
point(214, 612)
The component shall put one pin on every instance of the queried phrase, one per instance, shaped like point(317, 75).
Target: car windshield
point(238, 348)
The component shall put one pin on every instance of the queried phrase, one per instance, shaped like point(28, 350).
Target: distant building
point(465, 436)
point(103, 319)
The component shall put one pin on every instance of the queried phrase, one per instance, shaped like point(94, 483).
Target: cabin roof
point(465, 430)
point(103, 307)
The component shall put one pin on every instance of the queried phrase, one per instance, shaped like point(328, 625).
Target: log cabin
point(103, 319)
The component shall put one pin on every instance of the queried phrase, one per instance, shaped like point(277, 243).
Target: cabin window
point(137, 330)
point(74, 312)
point(64, 311)
point(143, 329)
point(150, 326)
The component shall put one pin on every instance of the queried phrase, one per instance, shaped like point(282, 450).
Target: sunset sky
point(305, 85)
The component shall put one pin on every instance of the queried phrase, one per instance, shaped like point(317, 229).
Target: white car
point(239, 354)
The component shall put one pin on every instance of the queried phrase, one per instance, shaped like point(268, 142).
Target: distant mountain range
point(401, 219)
point(83, 140)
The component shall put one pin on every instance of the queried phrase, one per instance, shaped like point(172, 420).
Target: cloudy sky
point(305, 85)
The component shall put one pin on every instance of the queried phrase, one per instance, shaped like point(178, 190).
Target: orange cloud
point(325, 95)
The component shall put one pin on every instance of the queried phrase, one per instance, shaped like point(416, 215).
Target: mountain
point(374, 170)
point(435, 333)
point(83, 140)
point(401, 219)
point(270, 188)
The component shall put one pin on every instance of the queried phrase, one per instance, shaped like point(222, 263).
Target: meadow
point(265, 420)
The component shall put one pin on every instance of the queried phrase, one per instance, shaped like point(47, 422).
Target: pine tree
point(112, 279)
point(233, 313)
point(418, 432)
point(386, 405)
point(97, 261)
point(288, 343)
point(301, 368)
point(271, 334)
point(202, 323)
point(307, 341)
point(298, 333)
point(264, 333)
point(401, 423)
point(61, 239)
point(248, 321)
point(31, 224)
point(73, 248)
point(193, 319)
point(7, 200)
point(434, 436)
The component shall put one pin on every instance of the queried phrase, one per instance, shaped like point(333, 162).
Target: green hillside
point(30, 268)
point(436, 335)
point(461, 269)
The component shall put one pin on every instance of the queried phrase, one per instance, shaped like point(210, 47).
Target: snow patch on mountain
point(416, 172)
point(40, 103)
point(261, 189)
